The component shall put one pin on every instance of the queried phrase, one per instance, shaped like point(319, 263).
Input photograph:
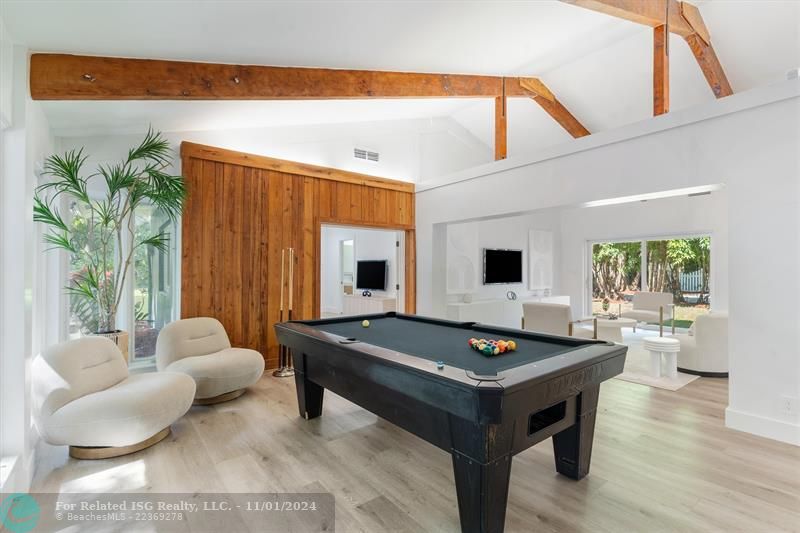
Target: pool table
point(420, 374)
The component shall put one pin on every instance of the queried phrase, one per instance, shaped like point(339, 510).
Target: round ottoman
point(668, 348)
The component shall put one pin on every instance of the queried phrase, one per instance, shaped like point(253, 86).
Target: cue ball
point(440, 364)
point(365, 323)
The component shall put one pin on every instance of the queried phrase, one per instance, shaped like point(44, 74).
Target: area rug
point(637, 370)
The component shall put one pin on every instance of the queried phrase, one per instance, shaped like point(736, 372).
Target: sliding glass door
point(680, 266)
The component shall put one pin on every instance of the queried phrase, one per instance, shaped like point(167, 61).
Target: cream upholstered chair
point(84, 398)
point(651, 307)
point(706, 352)
point(555, 319)
point(200, 348)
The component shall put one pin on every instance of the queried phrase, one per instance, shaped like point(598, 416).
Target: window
point(152, 288)
point(680, 266)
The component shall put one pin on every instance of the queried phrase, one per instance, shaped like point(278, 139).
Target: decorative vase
point(118, 337)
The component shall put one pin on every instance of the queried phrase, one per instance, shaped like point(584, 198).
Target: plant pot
point(118, 337)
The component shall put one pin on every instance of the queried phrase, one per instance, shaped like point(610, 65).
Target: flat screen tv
point(502, 266)
point(371, 275)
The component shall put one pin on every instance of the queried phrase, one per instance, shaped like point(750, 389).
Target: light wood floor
point(662, 461)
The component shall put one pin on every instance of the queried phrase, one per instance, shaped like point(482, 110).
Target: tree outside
point(677, 266)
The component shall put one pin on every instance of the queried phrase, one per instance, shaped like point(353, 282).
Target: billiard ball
point(512, 345)
point(496, 351)
point(365, 323)
point(488, 350)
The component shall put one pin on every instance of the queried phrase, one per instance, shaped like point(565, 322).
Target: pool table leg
point(309, 396)
point(573, 446)
point(482, 491)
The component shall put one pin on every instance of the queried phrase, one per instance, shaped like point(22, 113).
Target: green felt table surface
point(446, 343)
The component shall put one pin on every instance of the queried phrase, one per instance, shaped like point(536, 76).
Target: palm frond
point(168, 193)
point(106, 214)
point(153, 148)
point(60, 241)
point(45, 213)
point(160, 242)
point(118, 178)
point(66, 169)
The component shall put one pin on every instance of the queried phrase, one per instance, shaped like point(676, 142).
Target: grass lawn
point(678, 323)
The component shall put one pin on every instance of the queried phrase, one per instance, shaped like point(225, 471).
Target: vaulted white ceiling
point(599, 66)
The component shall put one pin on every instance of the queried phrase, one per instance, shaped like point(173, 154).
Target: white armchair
point(706, 352)
point(652, 307)
point(84, 398)
point(200, 348)
point(555, 319)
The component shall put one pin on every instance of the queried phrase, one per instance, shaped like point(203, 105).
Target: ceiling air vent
point(360, 153)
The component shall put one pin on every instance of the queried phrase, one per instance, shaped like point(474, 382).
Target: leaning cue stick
point(289, 360)
point(280, 372)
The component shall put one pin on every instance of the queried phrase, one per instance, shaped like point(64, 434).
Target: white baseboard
point(763, 426)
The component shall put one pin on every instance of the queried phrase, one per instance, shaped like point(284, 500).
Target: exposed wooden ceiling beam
point(72, 77)
point(647, 12)
point(660, 70)
point(710, 65)
point(500, 128)
point(684, 20)
point(542, 95)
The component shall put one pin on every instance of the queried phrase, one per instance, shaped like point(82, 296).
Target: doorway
point(362, 270)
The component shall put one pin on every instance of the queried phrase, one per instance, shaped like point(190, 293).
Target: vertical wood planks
point(237, 220)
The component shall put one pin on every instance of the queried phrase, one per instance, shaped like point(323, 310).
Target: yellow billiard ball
point(365, 323)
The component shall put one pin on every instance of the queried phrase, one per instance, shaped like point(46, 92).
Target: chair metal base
point(219, 399)
point(107, 452)
point(284, 372)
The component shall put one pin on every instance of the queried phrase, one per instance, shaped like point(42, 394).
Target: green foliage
point(95, 235)
point(616, 266)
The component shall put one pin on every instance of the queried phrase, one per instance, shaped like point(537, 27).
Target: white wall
point(25, 293)
point(507, 232)
point(369, 244)
point(610, 85)
point(666, 217)
point(409, 149)
point(749, 142)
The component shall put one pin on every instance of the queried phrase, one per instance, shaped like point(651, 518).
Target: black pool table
point(481, 409)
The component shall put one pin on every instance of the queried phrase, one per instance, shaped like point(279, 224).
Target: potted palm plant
point(100, 236)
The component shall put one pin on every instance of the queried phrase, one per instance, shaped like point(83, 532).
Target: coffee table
point(611, 329)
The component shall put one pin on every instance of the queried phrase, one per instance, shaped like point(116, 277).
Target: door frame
point(409, 254)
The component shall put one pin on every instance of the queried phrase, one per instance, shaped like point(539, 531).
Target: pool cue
point(281, 372)
point(289, 359)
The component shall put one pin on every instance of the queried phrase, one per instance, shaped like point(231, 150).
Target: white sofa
point(84, 398)
point(555, 319)
point(649, 307)
point(200, 348)
point(706, 352)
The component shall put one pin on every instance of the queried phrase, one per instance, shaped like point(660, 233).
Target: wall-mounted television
point(371, 275)
point(501, 266)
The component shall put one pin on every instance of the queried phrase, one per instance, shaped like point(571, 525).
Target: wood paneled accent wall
point(244, 209)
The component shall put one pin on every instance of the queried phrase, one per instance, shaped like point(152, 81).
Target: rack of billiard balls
point(492, 347)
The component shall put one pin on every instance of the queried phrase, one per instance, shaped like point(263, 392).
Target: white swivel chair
point(200, 348)
point(84, 398)
point(555, 319)
point(706, 352)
